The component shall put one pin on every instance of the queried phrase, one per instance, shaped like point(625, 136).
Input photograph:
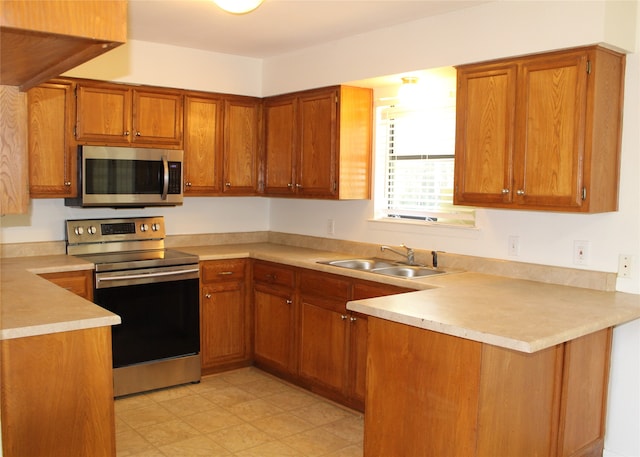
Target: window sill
point(417, 225)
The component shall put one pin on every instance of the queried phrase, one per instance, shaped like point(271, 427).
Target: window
point(415, 150)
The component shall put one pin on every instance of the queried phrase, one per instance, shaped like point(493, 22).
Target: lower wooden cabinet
point(78, 282)
point(432, 394)
point(324, 331)
point(274, 318)
point(225, 315)
point(304, 332)
point(57, 395)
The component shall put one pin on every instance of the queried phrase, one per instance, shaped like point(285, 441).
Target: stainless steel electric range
point(154, 290)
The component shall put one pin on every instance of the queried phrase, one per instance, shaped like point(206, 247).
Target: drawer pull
point(225, 273)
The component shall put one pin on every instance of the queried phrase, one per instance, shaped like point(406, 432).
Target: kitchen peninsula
point(491, 318)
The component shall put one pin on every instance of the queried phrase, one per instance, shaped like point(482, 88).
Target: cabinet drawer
point(78, 282)
point(222, 270)
point(269, 273)
point(324, 285)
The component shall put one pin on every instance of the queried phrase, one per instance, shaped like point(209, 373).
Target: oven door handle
point(165, 177)
point(147, 275)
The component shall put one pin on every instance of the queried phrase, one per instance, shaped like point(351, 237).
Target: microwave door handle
point(165, 180)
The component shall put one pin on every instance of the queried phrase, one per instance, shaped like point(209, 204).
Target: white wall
point(493, 30)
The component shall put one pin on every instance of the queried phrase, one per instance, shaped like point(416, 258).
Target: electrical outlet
point(624, 266)
point(581, 252)
point(331, 227)
point(514, 245)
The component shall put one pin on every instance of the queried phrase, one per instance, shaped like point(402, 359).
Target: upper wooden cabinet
point(41, 40)
point(541, 132)
point(203, 116)
point(119, 115)
point(52, 151)
point(241, 143)
point(318, 143)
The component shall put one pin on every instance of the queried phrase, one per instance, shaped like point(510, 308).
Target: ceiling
point(276, 27)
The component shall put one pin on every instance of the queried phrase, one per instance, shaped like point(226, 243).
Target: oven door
point(159, 308)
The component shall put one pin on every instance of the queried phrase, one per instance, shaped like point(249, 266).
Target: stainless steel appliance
point(128, 177)
point(154, 290)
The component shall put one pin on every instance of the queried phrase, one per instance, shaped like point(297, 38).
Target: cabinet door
point(485, 117)
point(103, 114)
point(240, 151)
point(52, 156)
point(358, 329)
point(280, 145)
point(316, 167)
point(202, 145)
point(323, 341)
point(551, 131)
point(274, 329)
point(223, 335)
point(157, 118)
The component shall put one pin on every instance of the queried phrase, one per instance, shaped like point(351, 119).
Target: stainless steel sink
point(361, 264)
point(408, 271)
point(384, 267)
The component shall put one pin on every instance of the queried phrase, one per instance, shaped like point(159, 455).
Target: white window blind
point(419, 146)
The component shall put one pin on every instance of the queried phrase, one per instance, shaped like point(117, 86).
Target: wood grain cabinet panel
point(541, 132)
point(57, 395)
point(318, 143)
point(225, 315)
point(121, 115)
point(274, 318)
point(432, 394)
point(52, 151)
point(202, 144)
point(240, 153)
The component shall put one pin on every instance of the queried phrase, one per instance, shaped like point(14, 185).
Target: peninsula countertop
point(527, 316)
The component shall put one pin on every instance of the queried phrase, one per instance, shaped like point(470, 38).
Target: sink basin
point(384, 267)
point(407, 271)
point(361, 264)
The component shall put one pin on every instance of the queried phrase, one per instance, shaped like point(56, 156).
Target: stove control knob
point(144, 227)
point(155, 226)
point(78, 231)
point(91, 230)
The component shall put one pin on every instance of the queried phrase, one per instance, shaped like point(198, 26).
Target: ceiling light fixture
point(238, 6)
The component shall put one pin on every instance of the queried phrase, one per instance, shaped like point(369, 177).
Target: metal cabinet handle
point(298, 186)
point(187, 184)
point(138, 134)
point(227, 184)
point(67, 183)
point(289, 301)
point(225, 273)
point(520, 192)
point(207, 295)
point(353, 319)
point(505, 191)
point(126, 133)
point(289, 185)
point(343, 317)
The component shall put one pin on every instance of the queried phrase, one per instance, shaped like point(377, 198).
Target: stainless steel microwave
point(128, 177)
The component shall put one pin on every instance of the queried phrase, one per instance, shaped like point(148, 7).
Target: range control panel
point(81, 231)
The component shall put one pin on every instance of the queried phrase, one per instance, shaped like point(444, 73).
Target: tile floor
point(240, 413)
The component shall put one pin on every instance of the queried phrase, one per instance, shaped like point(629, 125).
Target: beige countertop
point(523, 315)
point(31, 305)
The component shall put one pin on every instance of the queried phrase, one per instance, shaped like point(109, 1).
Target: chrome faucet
point(409, 254)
